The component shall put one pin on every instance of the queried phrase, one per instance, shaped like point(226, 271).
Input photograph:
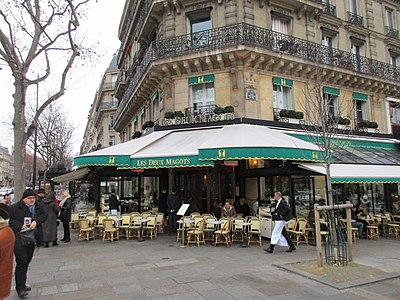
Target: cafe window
point(282, 93)
point(200, 25)
point(202, 91)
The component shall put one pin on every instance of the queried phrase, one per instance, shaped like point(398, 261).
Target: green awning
point(201, 79)
point(360, 96)
point(331, 91)
point(365, 180)
point(106, 160)
point(282, 81)
point(169, 162)
point(260, 153)
point(142, 111)
point(154, 95)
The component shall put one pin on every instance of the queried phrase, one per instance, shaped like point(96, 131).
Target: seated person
point(244, 207)
point(355, 214)
point(217, 209)
point(228, 211)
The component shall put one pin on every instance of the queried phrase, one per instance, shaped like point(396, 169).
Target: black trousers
point(287, 237)
point(23, 256)
point(66, 230)
point(39, 235)
point(172, 219)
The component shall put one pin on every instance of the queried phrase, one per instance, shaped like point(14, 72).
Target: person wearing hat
point(7, 240)
point(24, 215)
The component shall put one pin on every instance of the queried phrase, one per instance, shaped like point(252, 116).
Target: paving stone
point(48, 290)
point(202, 285)
point(70, 267)
point(71, 287)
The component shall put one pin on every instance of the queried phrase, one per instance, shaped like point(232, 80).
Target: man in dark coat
point(113, 203)
point(173, 204)
point(24, 215)
point(40, 196)
point(162, 202)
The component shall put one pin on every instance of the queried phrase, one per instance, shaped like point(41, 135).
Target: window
point(328, 40)
point(393, 59)
point(156, 106)
point(395, 112)
point(203, 94)
point(353, 6)
point(357, 49)
point(389, 18)
point(332, 102)
point(282, 97)
point(200, 25)
point(112, 140)
point(280, 25)
point(110, 126)
point(142, 116)
point(361, 110)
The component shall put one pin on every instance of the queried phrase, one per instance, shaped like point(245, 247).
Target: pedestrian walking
point(50, 225)
point(65, 216)
point(40, 196)
point(173, 204)
point(24, 215)
point(7, 240)
point(280, 214)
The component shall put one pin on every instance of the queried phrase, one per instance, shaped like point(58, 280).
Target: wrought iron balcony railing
point(329, 9)
point(355, 19)
point(391, 32)
point(198, 110)
point(250, 35)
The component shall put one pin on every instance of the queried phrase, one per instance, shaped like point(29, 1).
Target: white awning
point(354, 173)
point(74, 175)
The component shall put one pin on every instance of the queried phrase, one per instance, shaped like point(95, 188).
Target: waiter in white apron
point(280, 214)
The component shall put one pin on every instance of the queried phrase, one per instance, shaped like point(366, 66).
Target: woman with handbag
point(25, 216)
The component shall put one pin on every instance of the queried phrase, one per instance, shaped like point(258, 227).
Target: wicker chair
point(86, 232)
point(224, 232)
point(109, 231)
point(197, 232)
point(255, 229)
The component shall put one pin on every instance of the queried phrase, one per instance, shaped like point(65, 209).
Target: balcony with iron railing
point(243, 34)
point(329, 9)
point(355, 19)
point(391, 32)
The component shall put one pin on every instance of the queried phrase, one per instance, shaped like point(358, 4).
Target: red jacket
point(7, 240)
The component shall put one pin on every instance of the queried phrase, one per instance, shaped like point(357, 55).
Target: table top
point(216, 222)
point(185, 221)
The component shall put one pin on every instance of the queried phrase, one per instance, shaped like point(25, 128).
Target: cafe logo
point(194, 119)
point(221, 153)
point(111, 160)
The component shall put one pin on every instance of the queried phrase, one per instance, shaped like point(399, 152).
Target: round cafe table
point(184, 221)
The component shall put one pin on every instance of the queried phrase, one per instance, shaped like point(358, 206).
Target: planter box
point(343, 127)
point(369, 130)
point(291, 120)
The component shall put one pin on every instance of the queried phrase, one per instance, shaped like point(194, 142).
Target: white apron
point(277, 238)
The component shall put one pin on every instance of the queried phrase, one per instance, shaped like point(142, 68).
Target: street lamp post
point(47, 164)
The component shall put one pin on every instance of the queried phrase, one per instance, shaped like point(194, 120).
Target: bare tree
point(37, 42)
point(55, 132)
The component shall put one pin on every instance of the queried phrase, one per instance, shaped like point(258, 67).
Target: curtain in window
point(280, 25)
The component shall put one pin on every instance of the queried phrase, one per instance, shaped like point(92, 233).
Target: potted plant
point(291, 116)
point(218, 110)
point(169, 115)
point(147, 124)
point(136, 134)
point(368, 126)
point(229, 109)
point(343, 123)
point(179, 114)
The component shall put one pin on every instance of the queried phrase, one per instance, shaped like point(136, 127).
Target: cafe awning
point(118, 155)
point(177, 149)
point(244, 141)
point(354, 173)
point(73, 175)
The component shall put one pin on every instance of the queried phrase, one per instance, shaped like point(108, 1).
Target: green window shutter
point(154, 95)
point(201, 79)
point(142, 111)
point(282, 81)
point(359, 96)
point(331, 91)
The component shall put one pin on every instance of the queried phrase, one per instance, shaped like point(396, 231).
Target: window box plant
point(291, 116)
point(368, 126)
point(179, 114)
point(147, 124)
point(218, 110)
point(343, 123)
point(229, 109)
point(169, 115)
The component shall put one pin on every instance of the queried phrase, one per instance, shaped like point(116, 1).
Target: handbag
point(27, 237)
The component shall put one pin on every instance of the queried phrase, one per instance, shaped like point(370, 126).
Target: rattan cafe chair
point(110, 233)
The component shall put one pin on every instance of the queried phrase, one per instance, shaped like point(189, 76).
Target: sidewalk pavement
point(160, 269)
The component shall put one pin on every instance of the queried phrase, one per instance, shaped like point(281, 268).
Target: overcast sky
point(102, 30)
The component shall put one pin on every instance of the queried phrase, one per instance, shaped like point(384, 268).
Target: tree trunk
point(19, 123)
